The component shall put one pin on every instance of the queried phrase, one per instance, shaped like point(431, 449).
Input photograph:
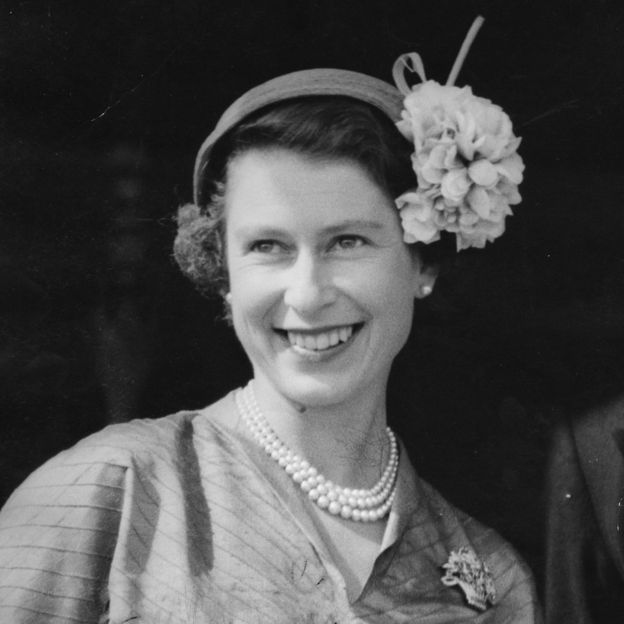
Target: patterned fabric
point(181, 520)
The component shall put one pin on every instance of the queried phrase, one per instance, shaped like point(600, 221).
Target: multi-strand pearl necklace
point(353, 504)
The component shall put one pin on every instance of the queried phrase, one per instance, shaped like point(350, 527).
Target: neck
point(347, 442)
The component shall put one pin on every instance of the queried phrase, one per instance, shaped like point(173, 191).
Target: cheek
point(394, 300)
point(394, 282)
point(252, 296)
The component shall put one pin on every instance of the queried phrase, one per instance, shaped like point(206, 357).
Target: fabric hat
point(309, 82)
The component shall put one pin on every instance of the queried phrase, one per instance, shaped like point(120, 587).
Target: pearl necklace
point(352, 504)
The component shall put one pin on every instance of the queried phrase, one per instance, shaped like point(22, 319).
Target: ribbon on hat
point(412, 61)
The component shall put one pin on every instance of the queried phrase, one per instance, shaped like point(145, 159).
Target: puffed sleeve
point(57, 537)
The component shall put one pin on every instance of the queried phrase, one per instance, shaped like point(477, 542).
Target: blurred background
point(102, 108)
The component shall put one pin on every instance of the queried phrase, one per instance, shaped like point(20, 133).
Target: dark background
point(102, 108)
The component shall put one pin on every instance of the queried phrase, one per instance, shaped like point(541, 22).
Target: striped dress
point(183, 521)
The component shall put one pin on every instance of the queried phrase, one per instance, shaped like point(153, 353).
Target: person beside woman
point(585, 514)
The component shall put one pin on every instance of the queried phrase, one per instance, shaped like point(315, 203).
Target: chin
point(317, 392)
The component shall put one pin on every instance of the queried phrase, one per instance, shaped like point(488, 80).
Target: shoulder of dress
point(463, 529)
point(511, 576)
point(141, 441)
point(121, 442)
point(154, 450)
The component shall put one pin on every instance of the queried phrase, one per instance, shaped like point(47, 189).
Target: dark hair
point(320, 128)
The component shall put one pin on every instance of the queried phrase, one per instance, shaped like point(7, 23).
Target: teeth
point(334, 337)
point(320, 341)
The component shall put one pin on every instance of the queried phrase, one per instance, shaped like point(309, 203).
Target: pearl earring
point(228, 298)
point(426, 290)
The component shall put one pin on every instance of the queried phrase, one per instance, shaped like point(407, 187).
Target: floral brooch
point(465, 569)
point(465, 158)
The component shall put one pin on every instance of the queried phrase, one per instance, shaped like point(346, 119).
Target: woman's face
point(322, 285)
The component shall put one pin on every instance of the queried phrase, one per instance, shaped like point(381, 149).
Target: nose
point(309, 286)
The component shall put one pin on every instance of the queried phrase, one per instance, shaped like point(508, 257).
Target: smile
point(322, 340)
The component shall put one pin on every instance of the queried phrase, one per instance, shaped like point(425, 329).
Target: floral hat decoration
point(465, 152)
point(465, 158)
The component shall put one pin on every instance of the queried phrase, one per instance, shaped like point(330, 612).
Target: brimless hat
point(308, 82)
point(465, 160)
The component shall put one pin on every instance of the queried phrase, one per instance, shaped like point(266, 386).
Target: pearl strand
point(361, 505)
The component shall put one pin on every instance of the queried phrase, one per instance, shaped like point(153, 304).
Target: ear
point(425, 280)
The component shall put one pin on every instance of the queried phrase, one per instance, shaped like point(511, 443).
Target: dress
point(585, 546)
point(180, 520)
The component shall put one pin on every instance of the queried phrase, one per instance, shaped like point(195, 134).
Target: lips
point(321, 340)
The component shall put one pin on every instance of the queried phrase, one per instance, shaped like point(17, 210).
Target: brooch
point(465, 569)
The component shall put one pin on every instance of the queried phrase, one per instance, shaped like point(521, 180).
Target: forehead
point(271, 182)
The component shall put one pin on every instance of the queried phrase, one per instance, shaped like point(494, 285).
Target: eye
point(266, 247)
point(349, 241)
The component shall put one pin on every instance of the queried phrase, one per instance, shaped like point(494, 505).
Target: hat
point(308, 82)
point(465, 160)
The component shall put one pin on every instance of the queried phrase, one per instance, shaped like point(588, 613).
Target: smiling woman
point(289, 500)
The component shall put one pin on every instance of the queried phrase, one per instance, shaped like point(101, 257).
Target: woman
point(289, 500)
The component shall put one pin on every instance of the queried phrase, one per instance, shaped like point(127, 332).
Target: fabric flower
point(416, 211)
point(466, 165)
point(454, 186)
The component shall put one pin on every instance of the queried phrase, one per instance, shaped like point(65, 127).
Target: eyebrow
point(269, 232)
point(354, 223)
